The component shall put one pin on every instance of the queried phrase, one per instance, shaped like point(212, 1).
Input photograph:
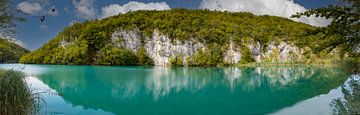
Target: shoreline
point(253, 64)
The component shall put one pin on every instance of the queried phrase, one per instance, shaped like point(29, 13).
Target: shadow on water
point(156, 90)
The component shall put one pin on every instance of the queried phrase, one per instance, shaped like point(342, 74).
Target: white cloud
point(282, 8)
point(37, 8)
point(84, 9)
point(29, 8)
point(115, 9)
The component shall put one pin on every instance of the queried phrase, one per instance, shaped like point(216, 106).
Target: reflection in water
point(274, 76)
point(350, 103)
point(157, 90)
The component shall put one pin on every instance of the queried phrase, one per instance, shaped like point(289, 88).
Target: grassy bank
point(16, 98)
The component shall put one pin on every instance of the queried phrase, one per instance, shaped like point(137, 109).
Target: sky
point(33, 33)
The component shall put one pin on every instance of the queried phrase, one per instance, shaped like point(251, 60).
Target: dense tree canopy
point(10, 52)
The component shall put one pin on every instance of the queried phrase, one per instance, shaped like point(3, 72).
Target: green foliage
point(143, 58)
point(116, 56)
point(345, 26)
point(200, 58)
point(176, 61)
point(275, 55)
point(10, 52)
point(246, 56)
point(16, 97)
point(213, 55)
point(76, 54)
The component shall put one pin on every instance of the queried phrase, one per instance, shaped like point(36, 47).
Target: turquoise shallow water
point(156, 90)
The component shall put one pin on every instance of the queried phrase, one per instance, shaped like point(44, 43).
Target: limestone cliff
point(161, 48)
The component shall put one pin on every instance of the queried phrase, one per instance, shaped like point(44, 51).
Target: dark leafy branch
point(345, 22)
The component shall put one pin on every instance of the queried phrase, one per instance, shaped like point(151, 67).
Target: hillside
point(184, 37)
point(10, 52)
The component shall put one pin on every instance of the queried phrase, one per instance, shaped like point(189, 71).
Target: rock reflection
point(163, 81)
point(250, 78)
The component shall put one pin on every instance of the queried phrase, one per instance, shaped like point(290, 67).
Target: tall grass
point(16, 98)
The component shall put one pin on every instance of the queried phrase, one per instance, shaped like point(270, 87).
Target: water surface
point(184, 90)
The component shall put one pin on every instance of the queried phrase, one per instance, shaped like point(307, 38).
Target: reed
point(15, 95)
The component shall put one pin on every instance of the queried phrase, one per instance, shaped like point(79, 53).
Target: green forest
point(91, 44)
point(10, 52)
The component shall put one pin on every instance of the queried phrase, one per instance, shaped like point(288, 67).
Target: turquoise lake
point(109, 90)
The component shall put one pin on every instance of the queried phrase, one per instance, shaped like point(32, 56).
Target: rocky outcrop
point(127, 39)
point(232, 55)
point(162, 48)
point(281, 53)
point(159, 47)
point(255, 49)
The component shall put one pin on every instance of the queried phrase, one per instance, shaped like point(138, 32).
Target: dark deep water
point(181, 90)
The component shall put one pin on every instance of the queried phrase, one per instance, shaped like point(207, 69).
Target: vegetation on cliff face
point(90, 42)
point(10, 52)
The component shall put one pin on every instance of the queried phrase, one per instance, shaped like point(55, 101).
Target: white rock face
point(161, 48)
point(255, 50)
point(232, 55)
point(127, 39)
point(286, 52)
point(64, 43)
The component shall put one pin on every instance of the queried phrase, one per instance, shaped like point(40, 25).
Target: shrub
point(10, 52)
point(110, 55)
point(143, 58)
point(176, 61)
point(213, 55)
point(246, 56)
